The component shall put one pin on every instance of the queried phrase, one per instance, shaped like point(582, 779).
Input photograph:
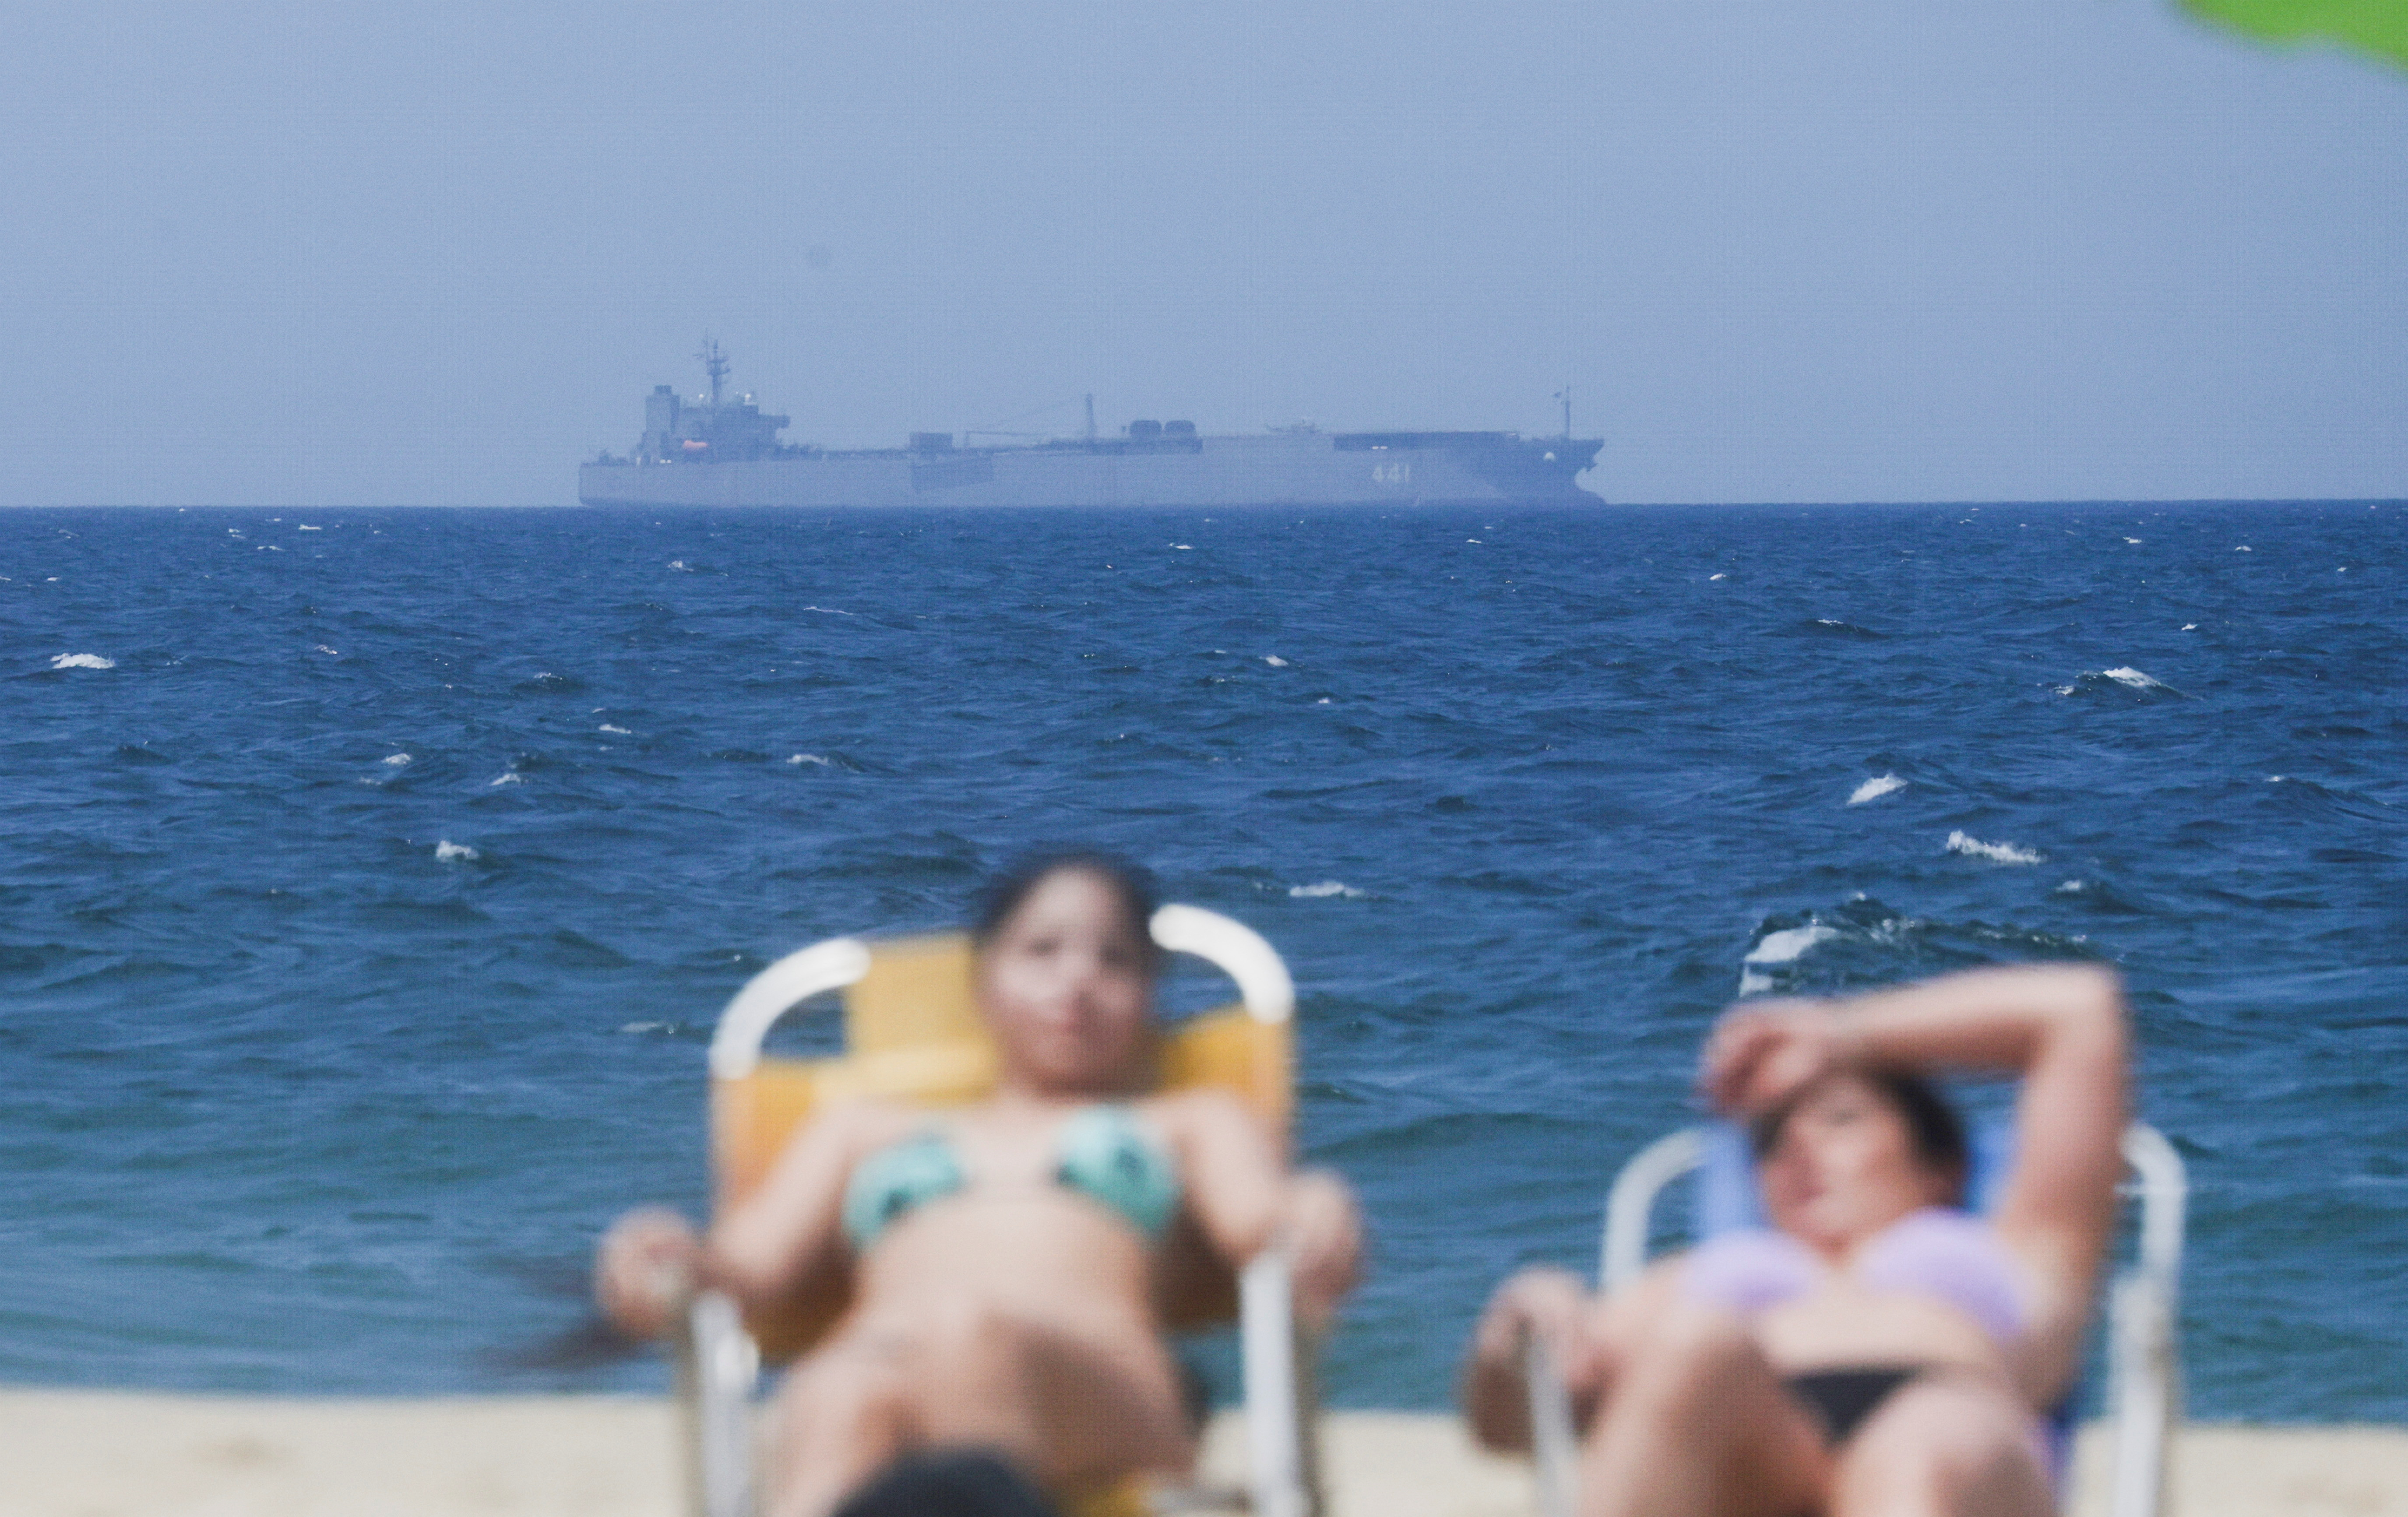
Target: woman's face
point(1844, 1167)
point(1067, 987)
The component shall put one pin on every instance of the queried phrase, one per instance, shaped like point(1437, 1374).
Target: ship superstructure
point(722, 452)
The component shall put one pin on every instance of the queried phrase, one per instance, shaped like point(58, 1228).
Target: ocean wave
point(398, 760)
point(82, 661)
point(1830, 627)
point(330, 652)
point(1778, 949)
point(507, 777)
point(819, 759)
point(1875, 788)
point(2121, 677)
point(2126, 675)
point(1323, 889)
point(448, 851)
point(1973, 847)
point(1788, 945)
point(1864, 942)
point(619, 731)
point(1275, 660)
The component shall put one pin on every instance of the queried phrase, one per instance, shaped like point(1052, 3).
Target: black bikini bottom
point(948, 1482)
point(1841, 1399)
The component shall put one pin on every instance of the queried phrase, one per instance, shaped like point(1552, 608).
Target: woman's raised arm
point(2059, 1026)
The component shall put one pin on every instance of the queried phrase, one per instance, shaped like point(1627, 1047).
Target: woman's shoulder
point(859, 1124)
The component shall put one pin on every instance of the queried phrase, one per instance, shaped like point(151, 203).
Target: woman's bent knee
point(1692, 1350)
point(844, 1389)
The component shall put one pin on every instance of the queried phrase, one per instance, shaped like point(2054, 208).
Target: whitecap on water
point(620, 731)
point(810, 758)
point(330, 652)
point(1776, 949)
point(448, 851)
point(307, 527)
point(1875, 788)
point(1973, 847)
point(82, 661)
point(396, 760)
point(1323, 889)
point(1275, 660)
point(2125, 675)
point(2128, 675)
point(508, 778)
point(1789, 944)
point(1711, 578)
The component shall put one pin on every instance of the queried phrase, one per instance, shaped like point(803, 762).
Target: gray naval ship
point(723, 450)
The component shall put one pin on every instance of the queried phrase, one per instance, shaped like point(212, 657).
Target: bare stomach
point(1039, 1253)
point(1843, 1326)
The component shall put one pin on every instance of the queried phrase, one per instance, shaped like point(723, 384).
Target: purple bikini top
point(1935, 1252)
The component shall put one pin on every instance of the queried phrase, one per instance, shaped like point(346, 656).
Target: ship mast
point(1565, 394)
point(714, 362)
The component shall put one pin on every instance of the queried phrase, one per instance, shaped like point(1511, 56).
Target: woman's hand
point(1765, 1051)
point(646, 1271)
point(1553, 1307)
point(1325, 1234)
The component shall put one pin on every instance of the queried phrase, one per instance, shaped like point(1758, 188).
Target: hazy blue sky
point(1891, 249)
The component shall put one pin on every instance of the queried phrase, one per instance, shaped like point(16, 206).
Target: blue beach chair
point(2144, 1391)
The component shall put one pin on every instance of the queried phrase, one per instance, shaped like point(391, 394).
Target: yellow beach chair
point(912, 1033)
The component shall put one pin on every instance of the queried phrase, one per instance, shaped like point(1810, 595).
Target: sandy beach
point(111, 1454)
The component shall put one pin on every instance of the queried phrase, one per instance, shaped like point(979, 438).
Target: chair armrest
point(1555, 1440)
point(716, 1367)
point(1279, 1476)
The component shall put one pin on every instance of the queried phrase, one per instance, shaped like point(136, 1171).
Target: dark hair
point(1934, 1128)
point(1131, 885)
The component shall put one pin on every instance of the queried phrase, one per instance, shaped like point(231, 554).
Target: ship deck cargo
point(725, 452)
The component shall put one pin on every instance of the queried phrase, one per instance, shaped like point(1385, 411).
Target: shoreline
point(121, 1454)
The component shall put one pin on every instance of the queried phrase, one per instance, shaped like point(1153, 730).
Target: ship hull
point(1273, 469)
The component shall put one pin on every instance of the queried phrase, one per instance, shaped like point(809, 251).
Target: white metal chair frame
point(719, 1365)
point(2145, 1374)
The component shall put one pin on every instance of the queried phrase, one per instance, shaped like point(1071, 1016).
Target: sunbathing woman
point(1873, 1351)
point(1009, 1261)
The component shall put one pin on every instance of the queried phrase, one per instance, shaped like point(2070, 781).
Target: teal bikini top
point(1102, 1152)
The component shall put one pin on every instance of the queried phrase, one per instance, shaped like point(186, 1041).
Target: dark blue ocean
point(372, 879)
